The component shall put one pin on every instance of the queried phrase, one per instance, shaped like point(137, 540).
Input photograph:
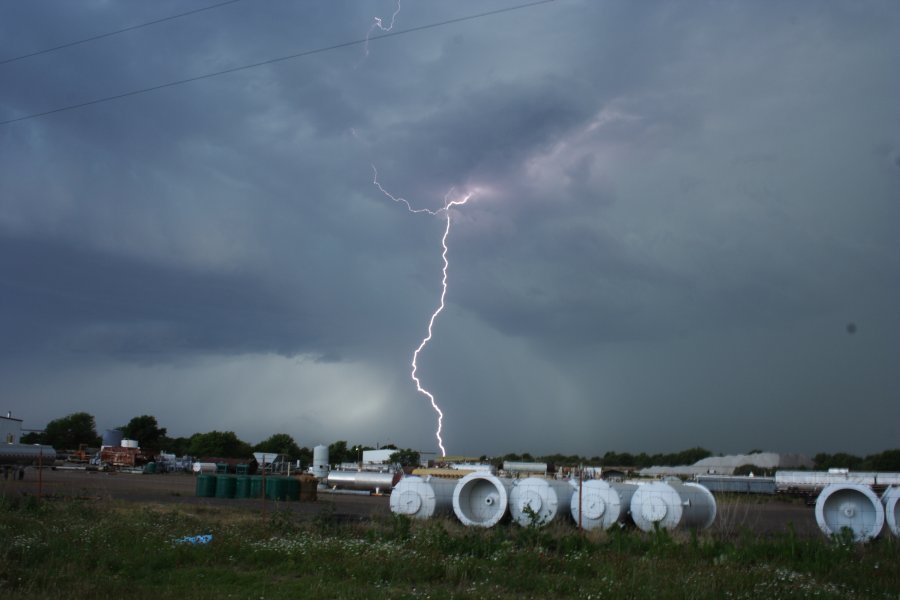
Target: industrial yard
point(761, 515)
point(95, 534)
point(461, 527)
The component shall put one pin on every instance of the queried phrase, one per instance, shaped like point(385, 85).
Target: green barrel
point(241, 469)
point(242, 486)
point(293, 488)
point(225, 486)
point(255, 486)
point(221, 468)
point(150, 468)
point(206, 486)
point(276, 488)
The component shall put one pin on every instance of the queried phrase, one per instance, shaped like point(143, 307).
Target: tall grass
point(84, 549)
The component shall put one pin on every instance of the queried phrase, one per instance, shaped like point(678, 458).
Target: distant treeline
point(616, 459)
point(71, 431)
point(889, 460)
point(80, 429)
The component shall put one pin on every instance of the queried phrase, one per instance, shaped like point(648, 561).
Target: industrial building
point(10, 429)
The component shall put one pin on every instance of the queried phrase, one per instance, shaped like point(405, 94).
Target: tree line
point(71, 431)
point(80, 429)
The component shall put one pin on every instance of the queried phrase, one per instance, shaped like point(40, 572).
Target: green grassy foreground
point(78, 549)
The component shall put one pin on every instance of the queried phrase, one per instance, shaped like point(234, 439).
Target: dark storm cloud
point(59, 298)
point(676, 207)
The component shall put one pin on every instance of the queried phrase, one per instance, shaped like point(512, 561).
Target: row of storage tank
point(251, 486)
point(484, 500)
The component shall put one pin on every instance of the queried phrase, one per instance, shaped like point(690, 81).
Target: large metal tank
point(891, 501)
point(320, 462)
point(672, 504)
point(537, 501)
point(481, 499)
point(368, 481)
point(811, 482)
point(511, 466)
point(422, 498)
point(26, 454)
point(850, 506)
point(602, 504)
point(112, 437)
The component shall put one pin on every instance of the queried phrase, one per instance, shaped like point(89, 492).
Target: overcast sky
point(684, 228)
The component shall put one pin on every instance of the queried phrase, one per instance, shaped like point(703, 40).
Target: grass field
point(100, 549)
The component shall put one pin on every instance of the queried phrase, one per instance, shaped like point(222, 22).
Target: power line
point(275, 60)
point(116, 32)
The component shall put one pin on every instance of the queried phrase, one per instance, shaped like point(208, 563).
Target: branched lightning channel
point(378, 23)
point(448, 204)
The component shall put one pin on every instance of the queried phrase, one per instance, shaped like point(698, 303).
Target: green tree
point(889, 460)
point(338, 452)
point(32, 437)
point(70, 431)
point(177, 446)
point(305, 457)
point(841, 460)
point(405, 458)
point(279, 443)
point(225, 444)
point(146, 431)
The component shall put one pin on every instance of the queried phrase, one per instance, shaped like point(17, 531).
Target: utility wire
point(275, 60)
point(116, 32)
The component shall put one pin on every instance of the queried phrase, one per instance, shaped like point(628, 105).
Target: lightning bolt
point(378, 23)
point(448, 204)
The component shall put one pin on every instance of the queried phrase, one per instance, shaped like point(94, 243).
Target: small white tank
point(602, 504)
point(320, 464)
point(672, 504)
point(850, 505)
point(481, 499)
point(548, 499)
point(126, 443)
point(422, 498)
point(891, 501)
point(203, 467)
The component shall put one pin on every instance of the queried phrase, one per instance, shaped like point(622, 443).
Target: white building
point(10, 429)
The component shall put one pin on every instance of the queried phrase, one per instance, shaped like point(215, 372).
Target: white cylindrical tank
point(672, 504)
point(203, 467)
point(852, 506)
point(481, 499)
point(511, 466)
point(27, 454)
point(891, 500)
point(422, 498)
point(126, 443)
point(320, 461)
point(602, 504)
point(547, 499)
point(362, 480)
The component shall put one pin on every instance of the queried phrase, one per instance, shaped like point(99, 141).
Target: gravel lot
point(761, 515)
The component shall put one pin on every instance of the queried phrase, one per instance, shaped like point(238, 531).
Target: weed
point(90, 549)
